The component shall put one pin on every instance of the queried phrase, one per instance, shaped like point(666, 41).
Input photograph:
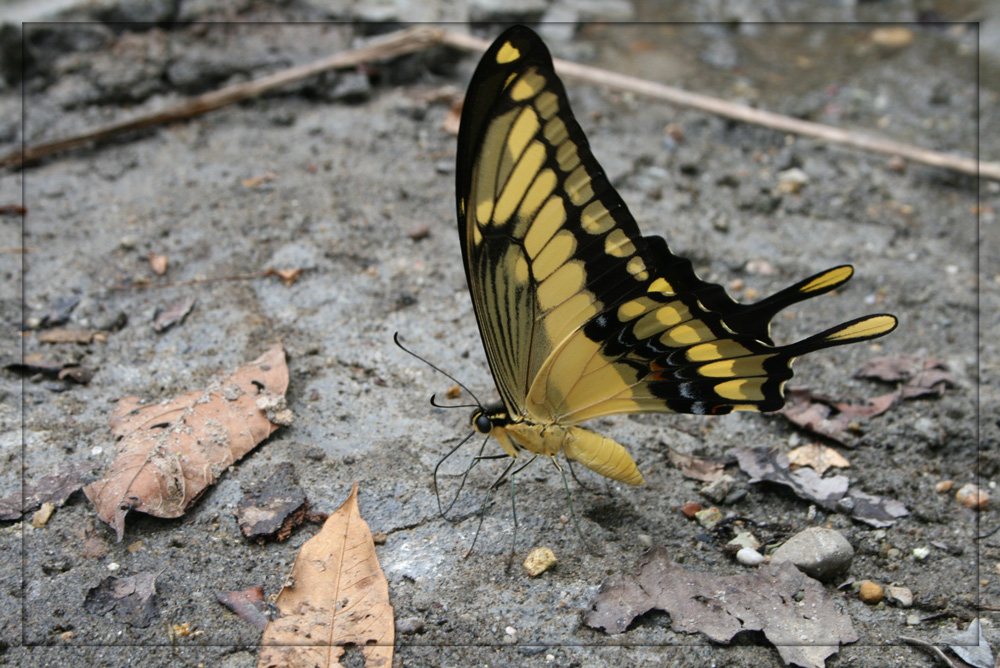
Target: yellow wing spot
point(687, 334)
point(578, 186)
point(746, 407)
point(662, 318)
point(874, 326)
point(487, 165)
point(661, 285)
point(555, 131)
point(559, 249)
point(567, 317)
point(521, 270)
point(632, 309)
point(562, 284)
point(548, 221)
point(484, 211)
point(832, 277)
point(618, 244)
point(567, 157)
point(715, 350)
point(637, 268)
point(519, 181)
point(477, 236)
point(548, 104)
point(540, 190)
point(527, 87)
point(741, 389)
point(596, 219)
point(740, 367)
point(508, 53)
point(523, 131)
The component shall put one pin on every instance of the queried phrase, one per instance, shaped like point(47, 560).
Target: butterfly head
point(486, 418)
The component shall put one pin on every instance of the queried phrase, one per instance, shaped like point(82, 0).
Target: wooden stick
point(393, 44)
point(740, 112)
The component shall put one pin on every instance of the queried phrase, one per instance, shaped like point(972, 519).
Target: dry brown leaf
point(158, 263)
point(705, 469)
point(288, 276)
point(453, 118)
point(817, 456)
point(337, 595)
point(173, 314)
point(793, 611)
point(171, 451)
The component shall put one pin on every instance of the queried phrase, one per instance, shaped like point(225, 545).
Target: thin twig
point(418, 38)
point(197, 281)
point(391, 45)
point(740, 112)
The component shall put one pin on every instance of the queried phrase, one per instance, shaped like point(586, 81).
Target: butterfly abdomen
point(598, 453)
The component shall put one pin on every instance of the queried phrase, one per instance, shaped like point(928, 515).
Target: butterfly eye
point(483, 424)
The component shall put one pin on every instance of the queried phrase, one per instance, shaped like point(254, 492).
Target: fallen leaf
point(705, 469)
point(830, 417)
point(453, 118)
point(133, 599)
point(173, 314)
point(892, 368)
point(772, 465)
point(874, 510)
point(66, 336)
point(275, 509)
point(171, 451)
point(249, 605)
point(287, 276)
point(793, 611)
point(816, 456)
point(260, 179)
point(158, 263)
point(971, 646)
point(337, 595)
point(54, 488)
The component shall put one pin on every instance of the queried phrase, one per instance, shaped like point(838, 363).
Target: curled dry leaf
point(171, 451)
point(816, 456)
point(173, 314)
point(792, 610)
point(337, 596)
point(705, 469)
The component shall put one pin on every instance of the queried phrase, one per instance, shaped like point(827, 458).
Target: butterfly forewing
point(580, 315)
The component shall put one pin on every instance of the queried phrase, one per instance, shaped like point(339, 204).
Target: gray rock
point(718, 489)
point(817, 552)
point(505, 11)
point(901, 596)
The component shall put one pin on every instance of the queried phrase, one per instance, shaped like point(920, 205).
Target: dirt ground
point(349, 173)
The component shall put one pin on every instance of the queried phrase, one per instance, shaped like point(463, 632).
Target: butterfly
point(580, 315)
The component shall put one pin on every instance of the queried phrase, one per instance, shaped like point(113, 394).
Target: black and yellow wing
point(580, 315)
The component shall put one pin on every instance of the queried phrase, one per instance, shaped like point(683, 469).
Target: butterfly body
point(582, 316)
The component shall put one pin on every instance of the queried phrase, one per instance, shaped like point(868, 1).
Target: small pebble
point(870, 592)
point(745, 539)
point(690, 509)
point(750, 557)
point(645, 540)
point(709, 517)
point(900, 596)
point(920, 553)
point(818, 552)
point(409, 626)
point(912, 620)
point(539, 560)
point(42, 515)
point(897, 164)
point(971, 496)
point(67, 635)
point(379, 538)
point(717, 490)
point(791, 180)
point(944, 486)
point(895, 37)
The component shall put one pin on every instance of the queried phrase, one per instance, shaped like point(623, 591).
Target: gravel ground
point(350, 172)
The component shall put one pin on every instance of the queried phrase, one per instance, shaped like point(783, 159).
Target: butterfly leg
point(572, 511)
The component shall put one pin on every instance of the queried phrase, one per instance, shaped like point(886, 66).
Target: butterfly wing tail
point(860, 329)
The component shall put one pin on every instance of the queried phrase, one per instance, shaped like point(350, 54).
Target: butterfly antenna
point(395, 338)
point(572, 511)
